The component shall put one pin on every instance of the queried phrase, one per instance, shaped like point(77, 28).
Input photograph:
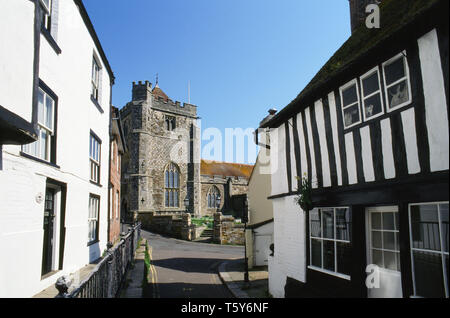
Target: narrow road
point(182, 269)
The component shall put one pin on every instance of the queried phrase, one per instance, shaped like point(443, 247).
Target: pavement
point(135, 276)
point(232, 274)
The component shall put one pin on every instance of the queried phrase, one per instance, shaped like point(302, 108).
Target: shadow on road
point(190, 265)
point(188, 290)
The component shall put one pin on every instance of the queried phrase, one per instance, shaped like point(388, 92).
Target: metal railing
point(107, 277)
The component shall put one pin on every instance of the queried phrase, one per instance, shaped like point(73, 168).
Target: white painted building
point(371, 134)
point(56, 79)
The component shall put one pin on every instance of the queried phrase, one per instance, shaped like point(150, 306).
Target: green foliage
point(304, 197)
point(203, 221)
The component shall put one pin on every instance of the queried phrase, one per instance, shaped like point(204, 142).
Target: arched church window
point(213, 197)
point(172, 186)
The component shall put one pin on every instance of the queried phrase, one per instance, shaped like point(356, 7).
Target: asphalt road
point(182, 269)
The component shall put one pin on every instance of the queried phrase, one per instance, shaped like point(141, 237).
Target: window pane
point(394, 71)
point(49, 112)
point(167, 179)
point(167, 198)
point(388, 221)
point(176, 199)
point(351, 115)
point(425, 227)
point(376, 239)
point(316, 225)
point(372, 106)
point(443, 208)
point(171, 179)
point(343, 224)
point(328, 255)
point(43, 143)
point(316, 253)
point(377, 257)
point(390, 260)
point(344, 258)
point(371, 84)
point(376, 221)
point(328, 223)
point(41, 107)
point(428, 274)
point(398, 94)
point(176, 175)
point(349, 95)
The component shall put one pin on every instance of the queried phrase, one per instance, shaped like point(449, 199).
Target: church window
point(213, 198)
point(171, 123)
point(172, 186)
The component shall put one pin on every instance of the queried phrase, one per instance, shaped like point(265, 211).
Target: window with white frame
point(172, 186)
point(42, 148)
point(94, 158)
point(46, 8)
point(94, 209)
point(213, 197)
point(95, 79)
point(350, 104)
point(396, 82)
point(330, 240)
point(429, 249)
point(371, 94)
point(384, 239)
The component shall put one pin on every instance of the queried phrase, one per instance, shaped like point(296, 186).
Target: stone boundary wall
point(226, 231)
point(176, 226)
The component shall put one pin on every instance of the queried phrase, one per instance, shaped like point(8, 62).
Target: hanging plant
point(304, 197)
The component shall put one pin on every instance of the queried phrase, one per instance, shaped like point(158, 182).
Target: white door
point(383, 250)
point(262, 246)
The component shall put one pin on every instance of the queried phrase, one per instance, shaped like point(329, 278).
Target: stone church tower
point(162, 167)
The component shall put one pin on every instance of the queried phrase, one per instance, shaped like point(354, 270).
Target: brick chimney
point(358, 11)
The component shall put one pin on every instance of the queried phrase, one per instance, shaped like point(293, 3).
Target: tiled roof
point(226, 169)
point(157, 92)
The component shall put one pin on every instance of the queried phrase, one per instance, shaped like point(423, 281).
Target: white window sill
point(343, 276)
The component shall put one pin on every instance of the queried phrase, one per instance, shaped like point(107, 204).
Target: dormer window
point(396, 82)
point(350, 104)
point(371, 94)
point(171, 123)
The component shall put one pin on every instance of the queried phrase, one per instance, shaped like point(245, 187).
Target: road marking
point(154, 275)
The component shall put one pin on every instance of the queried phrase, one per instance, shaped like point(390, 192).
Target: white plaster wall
point(21, 218)
point(289, 239)
point(17, 56)
point(278, 160)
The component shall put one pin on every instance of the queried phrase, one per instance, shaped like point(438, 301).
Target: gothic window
point(171, 123)
point(212, 197)
point(172, 186)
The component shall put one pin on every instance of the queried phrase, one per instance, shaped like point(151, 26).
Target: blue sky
point(242, 57)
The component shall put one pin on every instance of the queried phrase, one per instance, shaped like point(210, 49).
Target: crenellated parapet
point(176, 107)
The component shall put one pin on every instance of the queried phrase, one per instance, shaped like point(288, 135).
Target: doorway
point(49, 231)
point(383, 250)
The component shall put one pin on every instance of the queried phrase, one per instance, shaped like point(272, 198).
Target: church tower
point(358, 11)
point(162, 168)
